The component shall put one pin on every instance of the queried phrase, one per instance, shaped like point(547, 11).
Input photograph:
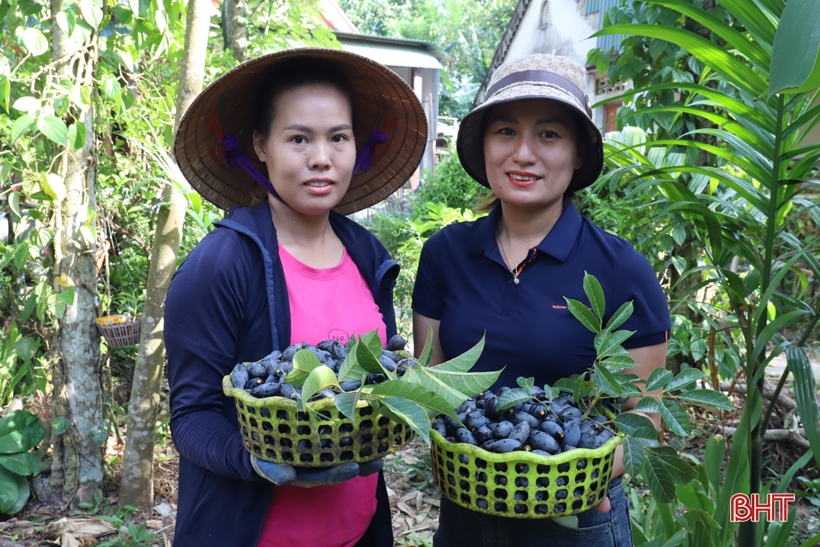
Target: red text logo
point(775, 508)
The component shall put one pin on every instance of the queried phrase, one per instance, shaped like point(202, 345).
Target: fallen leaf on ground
point(406, 508)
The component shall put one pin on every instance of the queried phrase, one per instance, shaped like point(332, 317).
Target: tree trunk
point(236, 36)
point(136, 486)
point(77, 470)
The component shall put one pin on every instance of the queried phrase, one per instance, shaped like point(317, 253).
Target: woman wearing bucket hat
point(534, 144)
point(288, 143)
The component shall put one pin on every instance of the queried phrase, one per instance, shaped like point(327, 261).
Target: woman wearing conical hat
point(288, 143)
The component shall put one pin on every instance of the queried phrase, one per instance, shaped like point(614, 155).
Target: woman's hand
point(307, 477)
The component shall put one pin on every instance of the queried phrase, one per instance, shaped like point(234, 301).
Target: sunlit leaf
point(35, 41)
point(320, 378)
point(583, 314)
point(684, 379)
point(465, 361)
point(707, 397)
point(658, 378)
point(675, 417)
point(620, 316)
point(410, 414)
point(432, 404)
point(510, 398)
point(346, 403)
point(595, 295)
point(303, 364)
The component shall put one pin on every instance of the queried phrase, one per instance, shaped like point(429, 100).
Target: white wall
point(566, 35)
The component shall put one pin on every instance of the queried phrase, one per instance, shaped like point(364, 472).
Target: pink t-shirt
point(327, 303)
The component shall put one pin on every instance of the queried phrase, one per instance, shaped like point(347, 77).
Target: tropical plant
point(20, 431)
point(742, 210)
point(661, 466)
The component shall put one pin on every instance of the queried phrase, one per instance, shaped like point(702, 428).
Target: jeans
point(460, 527)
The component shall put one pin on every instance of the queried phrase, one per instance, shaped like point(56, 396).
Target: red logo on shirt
point(557, 307)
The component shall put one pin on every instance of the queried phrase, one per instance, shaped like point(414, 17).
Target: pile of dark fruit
point(539, 425)
point(266, 377)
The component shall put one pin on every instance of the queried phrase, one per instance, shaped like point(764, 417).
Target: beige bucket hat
point(222, 114)
point(538, 76)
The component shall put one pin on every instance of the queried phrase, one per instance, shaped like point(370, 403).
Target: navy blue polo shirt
point(463, 282)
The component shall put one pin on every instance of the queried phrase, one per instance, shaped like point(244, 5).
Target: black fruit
point(465, 436)
point(438, 425)
point(552, 428)
point(333, 347)
point(392, 356)
point(350, 386)
point(501, 430)
point(520, 432)
point(482, 434)
point(239, 376)
point(265, 390)
point(396, 343)
point(477, 421)
point(503, 446)
point(572, 434)
point(387, 363)
point(522, 416)
point(375, 378)
point(542, 441)
point(287, 390)
point(290, 351)
point(257, 370)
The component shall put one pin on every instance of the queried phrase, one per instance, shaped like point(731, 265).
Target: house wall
point(565, 34)
point(428, 96)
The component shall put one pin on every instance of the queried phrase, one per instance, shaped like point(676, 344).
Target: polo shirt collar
point(558, 243)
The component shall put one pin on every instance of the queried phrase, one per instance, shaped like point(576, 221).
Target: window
point(545, 15)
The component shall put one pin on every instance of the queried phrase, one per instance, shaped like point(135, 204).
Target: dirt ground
point(414, 501)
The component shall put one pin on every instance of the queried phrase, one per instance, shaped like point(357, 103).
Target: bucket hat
point(216, 133)
point(538, 76)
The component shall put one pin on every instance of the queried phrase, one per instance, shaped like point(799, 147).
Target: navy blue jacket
point(228, 303)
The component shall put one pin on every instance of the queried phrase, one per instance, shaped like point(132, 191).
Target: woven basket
point(521, 484)
point(273, 430)
point(121, 335)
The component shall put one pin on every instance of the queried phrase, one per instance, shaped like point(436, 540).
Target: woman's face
point(309, 150)
point(531, 152)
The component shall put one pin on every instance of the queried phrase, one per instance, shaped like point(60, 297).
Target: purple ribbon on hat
point(364, 158)
point(235, 156)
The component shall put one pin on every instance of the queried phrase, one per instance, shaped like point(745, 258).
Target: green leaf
point(9, 491)
point(619, 362)
point(21, 126)
point(707, 397)
point(685, 378)
point(427, 350)
point(422, 376)
point(675, 417)
point(795, 66)
point(658, 378)
point(607, 343)
point(92, 12)
point(59, 425)
point(682, 472)
point(53, 185)
point(465, 361)
point(620, 316)
point(629, 423)
point(76, 135)
point(526, 383)
point(23, 494)
point(410, 414)
point(34, 41)
point(660, 480)
point(346, 403)
point(595, 295)
point(53, 128)
point(5, 92)
point(510, 398)
point(584, 315)
point(367, 351)
point(350, 369)
point(319, 378)
point(17, 463)
point(805, 391)
point(20, 431)
point(607, 382)
point(635, 446)
point(432, 404)
point(304, 362)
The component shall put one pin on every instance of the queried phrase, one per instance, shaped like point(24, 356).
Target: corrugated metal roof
point(604, 43)
point(392, 55)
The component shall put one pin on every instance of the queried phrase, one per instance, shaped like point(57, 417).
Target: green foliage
point(741, 205)
point(606, 380)
point(450, 186)
point(413, 399)
point(20, 431)
point(466, 31)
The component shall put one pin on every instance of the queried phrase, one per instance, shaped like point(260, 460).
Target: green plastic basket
point(521, 484)
point(273, 430)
